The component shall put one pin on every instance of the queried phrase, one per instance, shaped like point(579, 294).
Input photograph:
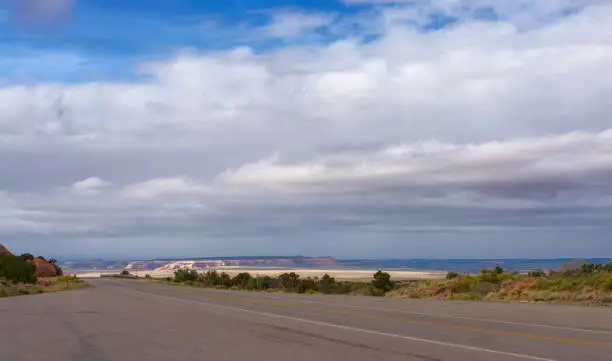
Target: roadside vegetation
point(286, 282)
point(580, 283)
point(586, 284)
point(18, 276)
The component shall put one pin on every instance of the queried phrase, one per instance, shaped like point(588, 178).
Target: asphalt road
point(121, 320)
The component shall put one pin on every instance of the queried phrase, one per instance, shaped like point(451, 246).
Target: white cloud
point(479, 125)
point(91, 185)
point(291, 24)
point(161, 187)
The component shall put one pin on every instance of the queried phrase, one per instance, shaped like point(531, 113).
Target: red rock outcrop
point(44, 268)
point(3, 250)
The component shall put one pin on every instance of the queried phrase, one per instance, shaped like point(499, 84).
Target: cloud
point(523, 14)
point(42, 10)
point(91, 185)
point(288, 24)
point(161, 187)
point(417, 141)
point(522, 169)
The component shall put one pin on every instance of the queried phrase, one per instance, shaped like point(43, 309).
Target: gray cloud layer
point(477, 140)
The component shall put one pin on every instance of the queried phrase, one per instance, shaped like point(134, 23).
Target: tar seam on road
point(326, 324)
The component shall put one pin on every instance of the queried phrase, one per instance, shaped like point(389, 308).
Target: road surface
point(127, 320)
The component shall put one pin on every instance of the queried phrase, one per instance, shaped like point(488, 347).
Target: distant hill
point(457, 265)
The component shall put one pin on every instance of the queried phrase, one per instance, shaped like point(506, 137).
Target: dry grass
point(44, 285)
point(578, 288)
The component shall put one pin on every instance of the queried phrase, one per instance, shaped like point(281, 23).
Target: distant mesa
point(250, 262)
point(204, 263)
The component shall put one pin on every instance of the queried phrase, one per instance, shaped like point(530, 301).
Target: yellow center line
point(413, 321)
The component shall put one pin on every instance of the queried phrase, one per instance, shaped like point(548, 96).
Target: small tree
point(382, 281)
point(211, 278)
point(27, 257)
point(326, 283)
point(307, 285)
point(499, 270)
point(225, 280)
point(289, 281)
point(242, 280)
point(184, 275)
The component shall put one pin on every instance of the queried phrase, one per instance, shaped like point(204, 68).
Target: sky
point(351, 128)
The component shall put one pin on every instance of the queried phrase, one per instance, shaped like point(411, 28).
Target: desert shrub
point(368, 290)
point(306, 285)
point(451, 275)
point(125, 272)
point(17, 270)
point(326, 283)
point(290, 281)
point(591, 267)
point(184, 275)
point(492, 276)
point(536, 273)
point(27, 257)
point(382, 281)
point(225, 280)
point(210, 278)
point(341, 288)
point(464, 284)
point(608, 284)
point(484, 288)
point(242, 280)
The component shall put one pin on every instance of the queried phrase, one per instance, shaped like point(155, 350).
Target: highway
point(121, 320)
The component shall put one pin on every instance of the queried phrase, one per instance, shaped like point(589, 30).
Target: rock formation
point(44, 268)
point(3, 250)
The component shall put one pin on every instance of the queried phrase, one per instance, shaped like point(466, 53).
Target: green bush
point(608, 285)
point(290, 281)
point(15, 269)
point(184, 275)
point(382, 281)
point(326, 283)
point(242, 280)
point(369, 290)
point(307, 285)
point(464, 284)
point(484, 288)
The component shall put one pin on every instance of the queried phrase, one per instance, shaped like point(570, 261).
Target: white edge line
point(326, 324)
point(490, 320)
point(463, 318)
